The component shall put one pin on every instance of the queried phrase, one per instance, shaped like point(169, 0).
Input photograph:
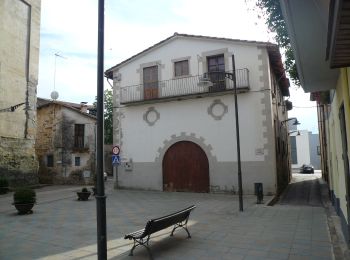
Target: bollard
point(259, 192)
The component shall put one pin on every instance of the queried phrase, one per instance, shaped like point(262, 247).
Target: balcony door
point(150, 82)
point(216, 64)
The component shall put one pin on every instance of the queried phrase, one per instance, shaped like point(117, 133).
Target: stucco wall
point(335, 155)
point(19, 49)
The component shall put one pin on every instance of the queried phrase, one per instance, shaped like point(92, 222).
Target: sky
point(69, 29)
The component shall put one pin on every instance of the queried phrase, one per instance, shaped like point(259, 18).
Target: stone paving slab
point(63, 228)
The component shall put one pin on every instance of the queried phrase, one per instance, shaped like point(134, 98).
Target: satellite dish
point(54, 95)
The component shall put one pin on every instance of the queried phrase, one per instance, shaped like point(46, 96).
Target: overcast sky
point(69, 28)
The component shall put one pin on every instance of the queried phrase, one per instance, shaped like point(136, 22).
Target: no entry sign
point(116, 150)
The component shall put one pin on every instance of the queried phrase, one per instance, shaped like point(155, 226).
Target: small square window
point(181, 68)
point(318, 150)
point(49, 160)
point(77, 161)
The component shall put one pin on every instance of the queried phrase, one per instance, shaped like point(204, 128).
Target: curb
point(340, 247)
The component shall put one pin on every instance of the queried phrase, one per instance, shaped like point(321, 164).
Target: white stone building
point(174, 116)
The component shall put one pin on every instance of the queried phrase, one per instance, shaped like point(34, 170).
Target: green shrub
point(24, 195)
point(4, 182)
point(84, 190)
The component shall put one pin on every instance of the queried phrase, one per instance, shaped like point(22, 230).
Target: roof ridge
point(108, 72)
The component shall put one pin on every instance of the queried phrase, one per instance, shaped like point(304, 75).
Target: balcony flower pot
point(4, 186)
point(24, 200)
point(84, 194)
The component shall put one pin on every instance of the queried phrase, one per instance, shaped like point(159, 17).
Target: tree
point(108, 115)
point(271, 10)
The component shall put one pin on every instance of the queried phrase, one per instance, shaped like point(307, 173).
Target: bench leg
point(188, 232)
point(184, 226)
point(141, 242)
point(132, 249)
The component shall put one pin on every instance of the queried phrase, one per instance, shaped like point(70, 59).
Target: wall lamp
point(294, 131)
point(296, 122)
point(12, 108)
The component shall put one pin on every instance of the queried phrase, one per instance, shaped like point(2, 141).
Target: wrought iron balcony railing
point(185, 86)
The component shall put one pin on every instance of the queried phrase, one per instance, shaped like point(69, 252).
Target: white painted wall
point(138, 136)
point(303, 149)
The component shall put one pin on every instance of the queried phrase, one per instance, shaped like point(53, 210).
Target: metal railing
point(183, 87)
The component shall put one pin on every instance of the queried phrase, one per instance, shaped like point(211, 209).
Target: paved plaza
point(63, 228)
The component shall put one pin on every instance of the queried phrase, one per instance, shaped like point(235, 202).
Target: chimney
point(83, 107)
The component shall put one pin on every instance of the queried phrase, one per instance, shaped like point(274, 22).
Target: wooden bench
point(177, 219)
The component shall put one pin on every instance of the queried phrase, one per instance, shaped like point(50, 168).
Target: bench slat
point(135, 234)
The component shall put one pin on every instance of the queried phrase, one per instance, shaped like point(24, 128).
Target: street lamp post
point(232, 76)
point(100, 189)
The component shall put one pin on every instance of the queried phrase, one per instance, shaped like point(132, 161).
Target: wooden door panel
point(185, 168)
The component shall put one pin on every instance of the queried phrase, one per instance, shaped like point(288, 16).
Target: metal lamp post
point(100, 189)
point(232, 76)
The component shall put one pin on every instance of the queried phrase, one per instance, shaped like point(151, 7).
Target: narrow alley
point(304, 190)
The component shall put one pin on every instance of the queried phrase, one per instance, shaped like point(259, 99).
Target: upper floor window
point(79, 135)
point(77, 161)
point(181, 68)
point(49, 160)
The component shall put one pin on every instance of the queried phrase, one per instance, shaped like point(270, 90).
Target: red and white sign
point(116, 150)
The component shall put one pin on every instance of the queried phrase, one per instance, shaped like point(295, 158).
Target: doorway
point(185, 168)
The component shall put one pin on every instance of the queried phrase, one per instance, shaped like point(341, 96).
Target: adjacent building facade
point(305, 149)
point(19, 59)
point(319, 33)
point(174, 116)
point(65, 144)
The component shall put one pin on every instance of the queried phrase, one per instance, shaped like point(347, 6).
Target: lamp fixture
point(11, 108)
point(204, 81)
point(297, 131)
point(296, 122)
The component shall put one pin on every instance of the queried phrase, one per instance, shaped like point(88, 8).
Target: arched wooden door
point(185, 168)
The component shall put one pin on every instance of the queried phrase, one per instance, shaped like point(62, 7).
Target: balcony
point(185, 87)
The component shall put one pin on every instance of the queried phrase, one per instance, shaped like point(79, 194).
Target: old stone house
point(65, 144)
point(19, 58)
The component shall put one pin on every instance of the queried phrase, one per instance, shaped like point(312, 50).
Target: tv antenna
point(54, 93)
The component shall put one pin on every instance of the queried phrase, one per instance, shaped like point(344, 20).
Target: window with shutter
point(79, 136)
point(216, 64)
point(181, 68)
point(150, 82)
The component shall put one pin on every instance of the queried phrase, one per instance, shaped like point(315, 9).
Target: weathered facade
point(174, 116)
point(65, 144)
point(19, 58)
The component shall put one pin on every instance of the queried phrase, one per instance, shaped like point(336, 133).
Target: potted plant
point(4, 185)
point(84, 194)
point(24, 199)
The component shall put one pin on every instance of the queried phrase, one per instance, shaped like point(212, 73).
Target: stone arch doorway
point(185, 168)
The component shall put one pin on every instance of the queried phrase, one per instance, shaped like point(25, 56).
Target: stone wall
point(18, 161)
point(19, 59)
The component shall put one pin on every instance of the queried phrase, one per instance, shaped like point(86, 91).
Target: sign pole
point(115, 163)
